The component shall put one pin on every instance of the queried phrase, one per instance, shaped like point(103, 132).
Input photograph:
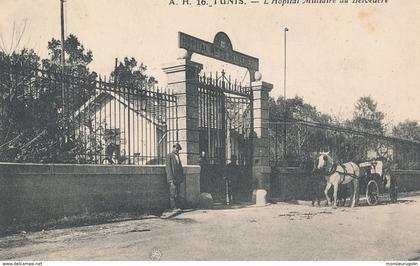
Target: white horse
point(337, 174)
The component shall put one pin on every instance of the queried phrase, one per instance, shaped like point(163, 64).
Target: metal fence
point(224, 116)
point(292, 142)
point(68, 119)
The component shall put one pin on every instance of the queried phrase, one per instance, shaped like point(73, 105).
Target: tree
point(79, 86)
point(130, 73)
point(297, 109)
point(407, 130)
point(366, 116)
point(33, 125)
point(79, 81)
point(300, 138)
point(367, 119)
point(77, 58)
point(17, 122)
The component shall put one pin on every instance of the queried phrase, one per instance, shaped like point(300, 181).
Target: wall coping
point(407, 172)
point(35, 168)
point(192, 169)
point(286, 170)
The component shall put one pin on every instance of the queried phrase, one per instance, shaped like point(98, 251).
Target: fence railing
point(67, 119)
point(224, 119)
point(294, 141)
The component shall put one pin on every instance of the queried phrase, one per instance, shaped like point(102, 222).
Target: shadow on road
point(74, 222)
point(12, 243)
point(183, 220)
point(416, 258)
point(384, 203)
point(362, 203)
point(239, 205)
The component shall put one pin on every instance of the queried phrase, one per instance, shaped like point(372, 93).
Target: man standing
point(231, 178)
point(174, 175)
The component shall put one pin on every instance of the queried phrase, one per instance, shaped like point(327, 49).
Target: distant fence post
point(181, 76)
point(260, 158)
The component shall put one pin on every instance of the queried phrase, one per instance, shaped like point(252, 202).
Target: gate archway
point(225, 134)
point(216, 118)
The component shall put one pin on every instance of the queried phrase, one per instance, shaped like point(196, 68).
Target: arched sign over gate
point(220, 49)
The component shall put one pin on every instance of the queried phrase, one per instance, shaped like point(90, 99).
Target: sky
point(336, 53)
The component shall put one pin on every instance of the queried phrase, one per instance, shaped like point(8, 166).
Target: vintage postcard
point(209, 130)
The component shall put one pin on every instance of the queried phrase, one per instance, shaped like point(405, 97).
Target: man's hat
point(176, 145)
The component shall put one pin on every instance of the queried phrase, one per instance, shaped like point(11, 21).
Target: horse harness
point(333, 170)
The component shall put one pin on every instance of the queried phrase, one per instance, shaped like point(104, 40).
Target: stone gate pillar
point(181, 75)
point(260, 158)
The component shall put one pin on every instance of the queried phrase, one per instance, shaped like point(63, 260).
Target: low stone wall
point(407, 180)
point(35, 193)
point(288, 183)
point(293, 183)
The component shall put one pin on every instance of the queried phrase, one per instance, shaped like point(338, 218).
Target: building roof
point(150, 110)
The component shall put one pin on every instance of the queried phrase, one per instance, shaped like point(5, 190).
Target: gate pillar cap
point(261, 85)
point(181, 64)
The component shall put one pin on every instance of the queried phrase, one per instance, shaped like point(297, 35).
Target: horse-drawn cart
point(372, 177)
point(376, 180)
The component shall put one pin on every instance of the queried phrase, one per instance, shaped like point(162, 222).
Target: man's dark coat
point(174, 170)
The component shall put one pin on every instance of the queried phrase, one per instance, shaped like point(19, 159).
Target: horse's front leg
point(352, 194)
point(327, 188)
point(355, 195)
point(335, 195)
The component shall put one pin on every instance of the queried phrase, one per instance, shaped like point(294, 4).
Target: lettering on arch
point(220, 49)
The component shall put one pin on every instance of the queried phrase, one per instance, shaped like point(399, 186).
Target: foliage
point(79, 83)
point(33, 124)
point(17, 122)
point(408, 129)
point(38, 104)
point(366, 116)
point(295, 108)
point(407, 153)
point(78, 87)
point(299, 139)
point(77, 58)
point(131, 73)
point(325, 133)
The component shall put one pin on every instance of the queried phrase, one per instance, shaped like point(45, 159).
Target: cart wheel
point(372, 192)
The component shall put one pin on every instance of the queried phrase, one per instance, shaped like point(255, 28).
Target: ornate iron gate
point(225, 125)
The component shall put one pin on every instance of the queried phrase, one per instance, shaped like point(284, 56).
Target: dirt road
point(276, 232)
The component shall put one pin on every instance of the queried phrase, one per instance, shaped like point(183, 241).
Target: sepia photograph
point(134, 131)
